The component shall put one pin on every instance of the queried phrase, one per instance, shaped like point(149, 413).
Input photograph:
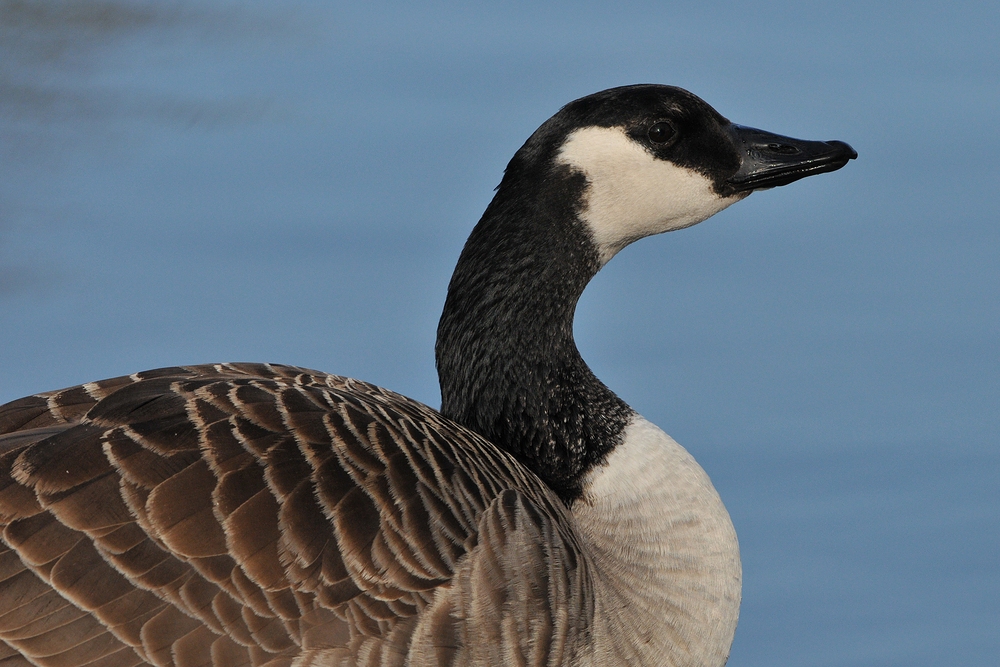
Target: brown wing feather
point(245, 514)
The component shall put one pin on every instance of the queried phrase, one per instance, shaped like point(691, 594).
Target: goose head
point(658, 158)
point(603, 172)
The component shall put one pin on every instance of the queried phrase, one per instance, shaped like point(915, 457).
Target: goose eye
point(661, 133)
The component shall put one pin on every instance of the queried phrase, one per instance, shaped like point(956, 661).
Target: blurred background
point(292, 182)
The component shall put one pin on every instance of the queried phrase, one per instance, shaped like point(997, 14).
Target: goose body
point(250, 514)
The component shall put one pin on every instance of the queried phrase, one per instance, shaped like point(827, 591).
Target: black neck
point(507, 362)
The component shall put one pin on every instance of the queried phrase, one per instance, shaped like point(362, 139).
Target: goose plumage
point(254, 514)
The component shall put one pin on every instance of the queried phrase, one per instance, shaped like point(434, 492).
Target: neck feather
point(507, 362)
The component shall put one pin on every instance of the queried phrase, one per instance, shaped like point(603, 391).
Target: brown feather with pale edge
point(243, 514)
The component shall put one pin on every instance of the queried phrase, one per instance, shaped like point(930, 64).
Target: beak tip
point(849, 152)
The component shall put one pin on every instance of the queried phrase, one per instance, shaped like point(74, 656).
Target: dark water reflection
point(56, 57)
point(75, 74)
point(49, 49)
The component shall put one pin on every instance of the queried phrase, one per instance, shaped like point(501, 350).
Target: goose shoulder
point(244, 514)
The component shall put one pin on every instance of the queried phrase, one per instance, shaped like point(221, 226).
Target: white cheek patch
point(632, 194)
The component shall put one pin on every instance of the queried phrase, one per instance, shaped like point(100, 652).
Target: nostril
point(783, 149)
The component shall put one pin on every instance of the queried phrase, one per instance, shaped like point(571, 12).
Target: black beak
point(769, 160)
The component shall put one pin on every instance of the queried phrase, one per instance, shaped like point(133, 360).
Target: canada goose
point(245, 514)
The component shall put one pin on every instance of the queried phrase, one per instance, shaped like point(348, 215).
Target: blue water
point(292, 182)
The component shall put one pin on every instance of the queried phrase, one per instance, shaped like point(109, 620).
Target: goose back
point(245, 514)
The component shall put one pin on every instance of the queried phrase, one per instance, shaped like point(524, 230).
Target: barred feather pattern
point(246, 514)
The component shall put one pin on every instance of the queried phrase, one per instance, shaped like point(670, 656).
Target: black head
point(676, 126)
point(657, 158)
